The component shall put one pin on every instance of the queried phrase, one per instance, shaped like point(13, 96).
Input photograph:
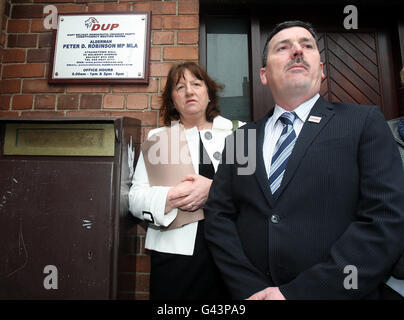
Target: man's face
point(293, 65)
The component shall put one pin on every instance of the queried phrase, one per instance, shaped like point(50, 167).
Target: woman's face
point(190, 96)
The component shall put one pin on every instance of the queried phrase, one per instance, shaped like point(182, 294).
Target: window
point(227, 62)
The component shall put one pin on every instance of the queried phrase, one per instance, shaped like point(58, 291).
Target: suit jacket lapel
point(260, 171)
point(310, 130)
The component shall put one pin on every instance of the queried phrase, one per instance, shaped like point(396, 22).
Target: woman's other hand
point(191, 194)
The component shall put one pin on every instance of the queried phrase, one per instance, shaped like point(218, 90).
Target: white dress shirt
point(273, 128)
point(143, 197)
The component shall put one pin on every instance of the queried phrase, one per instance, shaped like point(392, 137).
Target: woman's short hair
point(168, 111)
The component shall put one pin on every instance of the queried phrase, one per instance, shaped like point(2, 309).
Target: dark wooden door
point(358, 66)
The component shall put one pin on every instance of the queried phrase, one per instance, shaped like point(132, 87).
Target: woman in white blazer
point(181, 264)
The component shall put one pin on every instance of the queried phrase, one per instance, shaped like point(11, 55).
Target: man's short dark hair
point(285, 25)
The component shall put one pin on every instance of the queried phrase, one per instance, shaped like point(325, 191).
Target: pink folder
point(168, 160)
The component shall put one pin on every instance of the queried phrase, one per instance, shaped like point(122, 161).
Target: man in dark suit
point(322, 216)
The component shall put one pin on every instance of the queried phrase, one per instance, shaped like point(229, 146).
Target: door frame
point(387, 36)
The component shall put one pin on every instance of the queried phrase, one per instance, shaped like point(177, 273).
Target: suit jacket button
point(217, 155)
point(208, 135)
point(275, 218)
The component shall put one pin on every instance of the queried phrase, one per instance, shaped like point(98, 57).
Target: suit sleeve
point(241, 277)
point(363, 256)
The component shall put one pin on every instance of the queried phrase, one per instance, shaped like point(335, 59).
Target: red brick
point(85, 1)
point(5, 102)
point(38, 55)
point(27, 11)
point(163, 37)
point(155, 53)
point(8, 114)
point(52, 1)
point(23, 70)
point(181, 22)
point(88, 113)
point(130, 242)
point(160, 68)
point(10, 86)
point(187, 37)
point(14, 55)
point(45, 40)
point(6, 14)
point(70, 101)
point(142, 296)
point(37, 26)
point(22, 40)
point(137, 101)
point(147, 118)
point(156, 101)
point(157, 7)
point(141, 227)
point(157, 22)
point(142, 282)
point(91, 101)
point(151, 87)
point(143, 137)
point(142, 263)
point(180, 53)
point(41, 114)
point(163, 82)
point(108, 7)
point(23, 101)
point(88, 89)
point(113, 101)
point(16, 26)
point(45, 102)
point(188, 7)
point(40, 86)
point(161, 122)
point(70, 8)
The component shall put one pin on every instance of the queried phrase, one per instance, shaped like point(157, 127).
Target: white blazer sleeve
point(146, 202)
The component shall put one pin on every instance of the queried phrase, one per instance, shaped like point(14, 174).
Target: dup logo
point(50, 21)
point(93, 24)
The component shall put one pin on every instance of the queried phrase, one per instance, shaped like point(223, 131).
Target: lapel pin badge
point(315, 119)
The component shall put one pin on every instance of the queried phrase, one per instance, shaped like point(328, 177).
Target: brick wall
point(24, 91)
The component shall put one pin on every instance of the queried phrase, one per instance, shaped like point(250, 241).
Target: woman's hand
point(190, 195)
point(172, 195)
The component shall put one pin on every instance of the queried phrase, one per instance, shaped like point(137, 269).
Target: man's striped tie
point(283, 149)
